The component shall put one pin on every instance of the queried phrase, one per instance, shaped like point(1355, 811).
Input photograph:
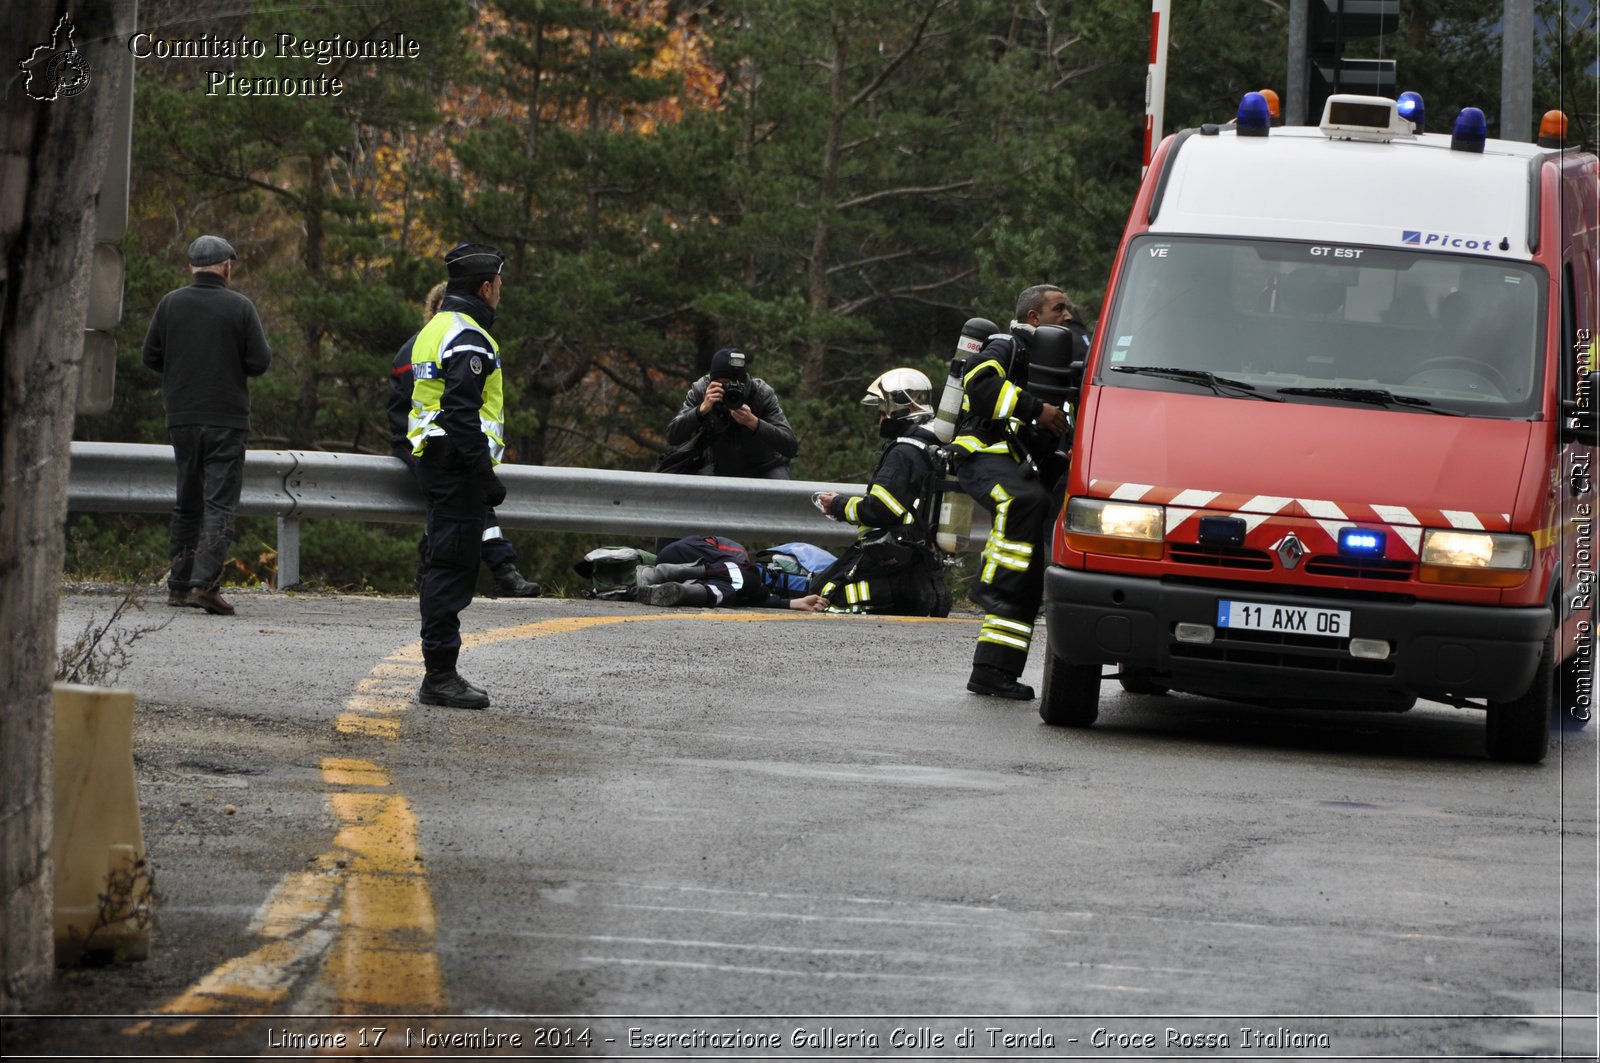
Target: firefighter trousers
point(1010, 582)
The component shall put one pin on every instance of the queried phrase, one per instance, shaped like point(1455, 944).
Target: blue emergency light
point(1410, 107)
point(1255, 116)
point(1361, 542)
point(1471, 131)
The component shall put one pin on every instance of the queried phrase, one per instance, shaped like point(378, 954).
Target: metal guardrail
point(295, 485)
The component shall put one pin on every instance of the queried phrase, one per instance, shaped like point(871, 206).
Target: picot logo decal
point(1185, 505)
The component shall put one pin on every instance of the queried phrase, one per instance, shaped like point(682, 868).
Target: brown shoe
point(177, 599)
point(210, 601)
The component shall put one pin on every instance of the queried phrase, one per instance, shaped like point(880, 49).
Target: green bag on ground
point(610, 571)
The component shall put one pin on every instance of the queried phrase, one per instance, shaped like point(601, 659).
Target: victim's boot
point(509, 583)
point(676, 593)
point(650, 575)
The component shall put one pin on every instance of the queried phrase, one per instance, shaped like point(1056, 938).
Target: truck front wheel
point(1519, 730)
point(1071, 694)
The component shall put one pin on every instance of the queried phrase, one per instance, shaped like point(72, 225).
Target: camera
point(733, 392)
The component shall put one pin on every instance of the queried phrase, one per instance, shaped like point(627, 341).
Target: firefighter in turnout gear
point(892, 567)
point(994, 466)
point(457, 433)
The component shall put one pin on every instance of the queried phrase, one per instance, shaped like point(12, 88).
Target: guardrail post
point(288, 552)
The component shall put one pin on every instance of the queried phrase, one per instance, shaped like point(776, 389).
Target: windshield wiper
point(1199, 376)
point(1376, 396)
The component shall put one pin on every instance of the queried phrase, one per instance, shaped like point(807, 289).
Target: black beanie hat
point(729, 364)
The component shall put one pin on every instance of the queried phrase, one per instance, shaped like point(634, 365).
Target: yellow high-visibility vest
point(432, 347)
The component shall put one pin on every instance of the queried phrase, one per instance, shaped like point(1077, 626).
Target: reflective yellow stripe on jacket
point(432, 347)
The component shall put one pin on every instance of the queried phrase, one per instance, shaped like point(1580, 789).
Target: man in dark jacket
point(995, 467)
point(741, 427)
point(495, 549)
point(892, 567)
point(206, 342)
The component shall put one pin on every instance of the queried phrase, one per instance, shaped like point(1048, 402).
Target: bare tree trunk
point(815, 370)
point(52, 158)
point(303, 433)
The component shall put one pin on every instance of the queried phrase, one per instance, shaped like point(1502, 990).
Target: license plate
point(1284, 619)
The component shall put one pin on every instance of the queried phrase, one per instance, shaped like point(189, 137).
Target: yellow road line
point(364, 911)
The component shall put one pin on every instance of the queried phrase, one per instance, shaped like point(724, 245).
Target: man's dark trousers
point(210, 478)
point(455, 527)
point(495, 552)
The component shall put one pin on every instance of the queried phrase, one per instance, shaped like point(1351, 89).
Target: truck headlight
point(1484, 559)
point(1107, 526)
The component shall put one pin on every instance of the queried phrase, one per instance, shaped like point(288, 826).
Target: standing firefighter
point(994, 467)
point(892, 568)
point(457, 433)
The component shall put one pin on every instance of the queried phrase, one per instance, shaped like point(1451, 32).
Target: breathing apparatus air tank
point(973, 335)
point(954, 534)
point(955, 519)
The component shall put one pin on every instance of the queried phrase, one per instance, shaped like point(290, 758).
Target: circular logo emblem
point(476, 365)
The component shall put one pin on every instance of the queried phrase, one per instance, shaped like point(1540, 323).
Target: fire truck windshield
point(1309, 321)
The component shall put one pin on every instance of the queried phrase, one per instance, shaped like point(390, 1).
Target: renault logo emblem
point(1289, 550)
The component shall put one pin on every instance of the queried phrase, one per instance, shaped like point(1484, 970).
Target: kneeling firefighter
point(892, 567)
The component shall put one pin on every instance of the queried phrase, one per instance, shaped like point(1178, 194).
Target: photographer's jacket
point(732, 449)
point(456, 390)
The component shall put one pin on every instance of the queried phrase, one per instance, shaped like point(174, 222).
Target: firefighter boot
point(447, 688)
point(676, 594)
point(650, 575)
point(992, 682)
point(508, 583)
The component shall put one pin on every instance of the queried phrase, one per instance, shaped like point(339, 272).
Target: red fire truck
point(1334, 441)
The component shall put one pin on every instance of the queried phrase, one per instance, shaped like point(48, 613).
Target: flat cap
point(209, 250)
point(473, 260)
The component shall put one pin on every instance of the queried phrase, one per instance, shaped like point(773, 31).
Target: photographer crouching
point(731, 425)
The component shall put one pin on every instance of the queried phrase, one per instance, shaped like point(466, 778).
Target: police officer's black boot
point(447, 688)
point(509, 583)
point(990, 681)
point(650, 575)
point(676, 594)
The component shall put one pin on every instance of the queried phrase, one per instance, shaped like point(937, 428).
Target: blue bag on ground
point(789, 567)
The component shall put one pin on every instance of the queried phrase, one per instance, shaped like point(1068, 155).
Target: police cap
point(473, 260)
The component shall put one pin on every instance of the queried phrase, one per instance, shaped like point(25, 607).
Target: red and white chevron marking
point(1407, 523)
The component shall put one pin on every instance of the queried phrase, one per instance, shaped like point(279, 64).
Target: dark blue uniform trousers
point(456, 509)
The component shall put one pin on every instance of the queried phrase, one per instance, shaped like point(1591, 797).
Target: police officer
point(495, 549)
point(891, 568)
point(994, 467)
point(457, 433)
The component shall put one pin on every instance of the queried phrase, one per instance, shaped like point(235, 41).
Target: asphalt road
point(743, 836)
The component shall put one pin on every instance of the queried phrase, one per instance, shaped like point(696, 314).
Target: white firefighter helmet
point(901, 393)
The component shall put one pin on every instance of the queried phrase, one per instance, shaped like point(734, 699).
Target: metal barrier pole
point(288, 552)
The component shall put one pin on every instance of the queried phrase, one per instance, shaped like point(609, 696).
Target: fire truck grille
point(1353, 568)
point(1220, 556)
point(1265, 648)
